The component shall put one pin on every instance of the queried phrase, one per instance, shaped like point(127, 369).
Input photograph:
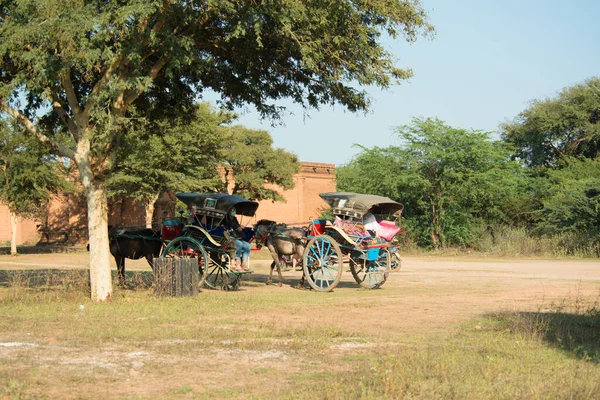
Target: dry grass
point(170, 348)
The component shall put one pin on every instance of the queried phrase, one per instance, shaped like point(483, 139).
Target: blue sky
point(488, 60)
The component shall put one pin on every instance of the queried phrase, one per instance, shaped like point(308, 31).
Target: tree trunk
point(97, 212)
point(150, 204)
point(438, 217)
point(434, 225)
point(13, 234)
point(100, 274)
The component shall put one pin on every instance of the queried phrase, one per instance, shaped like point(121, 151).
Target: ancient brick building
point(66, 221)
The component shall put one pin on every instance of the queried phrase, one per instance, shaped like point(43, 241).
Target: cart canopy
point(218, 204)
point(357, 204)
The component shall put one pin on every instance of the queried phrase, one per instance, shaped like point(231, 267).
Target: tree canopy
point(449, 180)
point(177, 154)
point(571, 199)
point(72, 72)
point(552, 130)
point(29, 176)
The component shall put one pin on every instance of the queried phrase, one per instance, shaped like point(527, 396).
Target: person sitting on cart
point(242, 248)
point(371, 225)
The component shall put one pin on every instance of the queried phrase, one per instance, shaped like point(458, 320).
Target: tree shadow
point(45, 249)
point(577, 333)
point(44, 279)
point(346, 282)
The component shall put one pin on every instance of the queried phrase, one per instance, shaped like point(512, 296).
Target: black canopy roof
point(218, 204)
point(357, 204)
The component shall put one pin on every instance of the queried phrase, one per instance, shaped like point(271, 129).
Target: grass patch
point(183, 390)
point(543, 355)
point(188, 346)
point(14, 391)
point(506, 241)
point(489, 367)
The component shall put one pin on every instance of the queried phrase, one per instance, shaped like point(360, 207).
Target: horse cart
point(330, 244)
point(204, 237)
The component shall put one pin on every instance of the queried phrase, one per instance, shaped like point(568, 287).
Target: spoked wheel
point(187, 247)
point(396, 262)
point(323, 263)
point(371, 274)
point(219, 276)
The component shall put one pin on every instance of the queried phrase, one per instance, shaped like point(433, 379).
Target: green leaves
point(449, 179)
point(552, 130)
point(255, 167)
point(27, 176)
point(572, 203)
point(175, 155)
point(86, 64)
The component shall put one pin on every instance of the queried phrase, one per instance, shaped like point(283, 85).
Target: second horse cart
point(344, 240)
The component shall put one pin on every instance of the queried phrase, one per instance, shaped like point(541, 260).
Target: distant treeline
point(536, 191)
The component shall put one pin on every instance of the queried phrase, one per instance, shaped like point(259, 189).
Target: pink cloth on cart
point(388, 230)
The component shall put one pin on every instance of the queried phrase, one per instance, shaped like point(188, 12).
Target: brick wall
point(66, 220)
point(303, 202)
point(26, 228)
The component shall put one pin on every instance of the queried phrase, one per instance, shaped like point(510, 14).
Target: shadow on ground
point(43, 249)
point(136, 280)
point(576, 333)
point(54, 278)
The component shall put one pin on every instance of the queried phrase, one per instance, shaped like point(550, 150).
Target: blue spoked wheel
point(188, 247)
point(323, 263)
point(371, 274)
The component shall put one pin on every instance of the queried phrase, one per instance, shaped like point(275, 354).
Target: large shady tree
point(175, 153)
point(72, 71)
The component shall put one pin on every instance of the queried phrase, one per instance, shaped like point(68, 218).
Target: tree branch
point(67, 85)
point(161, 21)
point(21, 118)
point(126, 97)
point(59, 107)
point(102, 81)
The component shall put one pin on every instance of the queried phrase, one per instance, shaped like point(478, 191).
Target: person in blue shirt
point(242, 248)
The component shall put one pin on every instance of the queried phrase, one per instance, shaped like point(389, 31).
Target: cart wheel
point(323, 263)
point(219, 276)
point(371, 274)
point(396, 262)
point(187, 247)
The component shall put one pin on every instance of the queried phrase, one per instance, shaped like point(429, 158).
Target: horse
point(133, 245)
point(281, 241)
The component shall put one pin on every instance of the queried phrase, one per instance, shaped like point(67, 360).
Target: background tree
point(552, 130)
point(450, 180)
point(559, 139)
point(252, 163)
point(71, 72)
point(571, 201)
point(170, 154)
point(28, 176)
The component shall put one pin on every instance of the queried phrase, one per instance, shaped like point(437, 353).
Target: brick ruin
point(66, 219)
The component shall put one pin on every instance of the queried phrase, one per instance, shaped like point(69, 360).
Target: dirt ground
point(428, 296)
